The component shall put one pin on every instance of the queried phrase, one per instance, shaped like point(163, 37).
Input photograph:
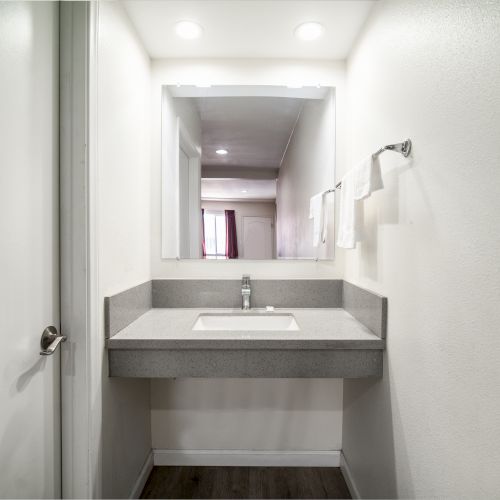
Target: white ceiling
point(255, 130)
point(234, 189)
point(248, 28)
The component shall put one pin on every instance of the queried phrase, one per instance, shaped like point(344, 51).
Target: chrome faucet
point(245, 293)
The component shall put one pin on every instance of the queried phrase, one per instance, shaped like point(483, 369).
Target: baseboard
point(143, 476)
point(249, 458)
point(346, 471)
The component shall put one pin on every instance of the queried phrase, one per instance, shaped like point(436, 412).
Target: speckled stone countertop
point(166, 328)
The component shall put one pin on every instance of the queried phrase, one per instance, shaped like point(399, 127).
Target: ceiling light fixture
point(244, 191)
point(308, 31)
point(188, 30)
point(222, 152)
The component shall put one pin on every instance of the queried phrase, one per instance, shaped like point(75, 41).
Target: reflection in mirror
point(242, 166)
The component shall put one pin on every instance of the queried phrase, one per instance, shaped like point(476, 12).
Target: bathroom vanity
point(196, 328)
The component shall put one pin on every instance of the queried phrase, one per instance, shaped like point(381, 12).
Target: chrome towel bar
point(403, 148)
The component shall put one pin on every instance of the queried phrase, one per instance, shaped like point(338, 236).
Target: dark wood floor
point(245, 482)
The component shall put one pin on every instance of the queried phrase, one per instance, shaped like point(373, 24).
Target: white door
point(257, 238)
point(30, 433)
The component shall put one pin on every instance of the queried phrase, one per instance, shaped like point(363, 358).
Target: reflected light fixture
point(221, 152)
point(188, 30)
point(244, 191)
point(308, 31)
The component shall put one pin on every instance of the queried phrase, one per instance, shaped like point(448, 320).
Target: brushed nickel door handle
point(50, 340)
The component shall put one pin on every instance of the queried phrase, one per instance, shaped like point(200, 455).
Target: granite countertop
point(166, 328)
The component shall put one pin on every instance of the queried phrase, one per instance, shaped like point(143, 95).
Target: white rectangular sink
point(246, 322)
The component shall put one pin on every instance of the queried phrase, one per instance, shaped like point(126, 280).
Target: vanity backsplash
point(367, 307)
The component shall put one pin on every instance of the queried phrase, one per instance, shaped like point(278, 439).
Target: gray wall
point(430, 71)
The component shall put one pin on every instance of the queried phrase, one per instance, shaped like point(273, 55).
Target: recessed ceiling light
point(308, 31)
point(188, 30)
point(222, 152)
point(244, 191)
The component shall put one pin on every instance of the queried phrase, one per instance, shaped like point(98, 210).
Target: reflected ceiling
point(254, 130)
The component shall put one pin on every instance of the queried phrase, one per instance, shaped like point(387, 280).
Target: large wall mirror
point(243, 172)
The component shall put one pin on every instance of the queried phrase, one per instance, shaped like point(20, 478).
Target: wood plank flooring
point(245, 482)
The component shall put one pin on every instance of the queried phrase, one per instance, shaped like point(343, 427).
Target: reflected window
point(215, 234)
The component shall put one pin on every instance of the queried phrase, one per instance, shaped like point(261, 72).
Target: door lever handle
point(50, 340)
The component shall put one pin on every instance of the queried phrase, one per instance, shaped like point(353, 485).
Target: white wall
point(244, 209)
point(308, 416)
point(124, 235)
point(247, 414)
point(430, 71)
point(307, 169)
point(238, 72)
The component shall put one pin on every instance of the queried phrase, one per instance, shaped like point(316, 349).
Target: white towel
point(346, 237)
point(317, 213)
point(368, 177)
point(357, 184)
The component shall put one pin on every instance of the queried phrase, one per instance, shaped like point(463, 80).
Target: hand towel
point(317, 213)
point(346, 237)
point(357, 184)
point(368, 177)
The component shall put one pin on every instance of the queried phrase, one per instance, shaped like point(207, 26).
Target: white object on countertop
point(269, 308)
point(317, 213)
